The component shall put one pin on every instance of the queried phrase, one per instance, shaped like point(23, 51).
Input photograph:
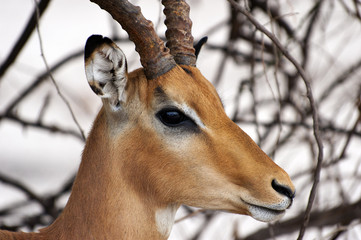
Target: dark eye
point(174, 118)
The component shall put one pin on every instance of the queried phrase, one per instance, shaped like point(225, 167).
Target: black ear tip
point(93, 42)
point(94, 38)
point(199, 45)
point(204, 40)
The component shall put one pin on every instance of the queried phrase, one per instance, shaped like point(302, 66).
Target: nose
point(283, 189)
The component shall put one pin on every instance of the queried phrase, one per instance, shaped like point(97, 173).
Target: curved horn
point(154, 55)
point(179, 34)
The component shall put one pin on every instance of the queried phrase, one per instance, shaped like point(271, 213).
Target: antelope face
point(183, 147)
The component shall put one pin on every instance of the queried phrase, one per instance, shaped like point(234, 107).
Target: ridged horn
point(179, 32)
point(154, 55)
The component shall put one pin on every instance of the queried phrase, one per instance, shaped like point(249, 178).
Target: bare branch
point(48, 207)
point(39, 10)
point(330, 217)
point(39, 125)
point(40, 79)
point(53, 80)
point(315, 116)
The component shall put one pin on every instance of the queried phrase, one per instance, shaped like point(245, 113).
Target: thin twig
point(346, 75)
point(46, 205)
point(192, 214)
point(328, 217)
point(44, 108)
point(324, 128)
point(334, 234)
point(53, 80)
point(39, 80)
point(20, 186)
point(313, 106)
point(24, 36)
point(252, 89)
point(37, 124)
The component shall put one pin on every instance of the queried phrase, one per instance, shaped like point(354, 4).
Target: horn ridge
point(155, 57)
point(179, 31)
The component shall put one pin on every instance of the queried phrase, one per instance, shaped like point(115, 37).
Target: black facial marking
point(102, 85)
point(160, 95)
point(96, 90)
point(158, 91)
point(187, 70)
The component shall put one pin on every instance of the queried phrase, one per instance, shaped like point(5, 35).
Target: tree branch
point(315, 117)
point(51, 128)
point(24, 37)
point(330, 217)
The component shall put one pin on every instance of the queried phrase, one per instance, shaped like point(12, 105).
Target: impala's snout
point(283, 195)
point(272, 211)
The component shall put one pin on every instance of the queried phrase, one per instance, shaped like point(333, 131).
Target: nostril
point(282, 189)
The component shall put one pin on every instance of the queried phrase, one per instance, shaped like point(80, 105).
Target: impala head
point(181, 146)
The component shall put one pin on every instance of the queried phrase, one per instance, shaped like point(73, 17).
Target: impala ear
point(106, 69)
point(199, 45)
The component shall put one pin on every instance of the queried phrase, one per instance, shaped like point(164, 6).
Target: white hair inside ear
point(106, 72)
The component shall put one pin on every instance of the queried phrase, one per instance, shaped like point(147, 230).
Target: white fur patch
point(265, 215)
point(268, 212)
point(193, 115)
point(164, 219)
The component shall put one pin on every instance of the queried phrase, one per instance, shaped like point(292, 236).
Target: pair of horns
point(155, 57)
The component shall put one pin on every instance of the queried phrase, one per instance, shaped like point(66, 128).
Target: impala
point(161, 139)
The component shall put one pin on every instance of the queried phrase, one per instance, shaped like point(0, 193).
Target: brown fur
point(131, 166)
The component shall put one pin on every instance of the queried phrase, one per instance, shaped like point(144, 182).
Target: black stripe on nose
point(282, 189)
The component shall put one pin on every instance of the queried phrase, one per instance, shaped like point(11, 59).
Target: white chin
point(264, 214)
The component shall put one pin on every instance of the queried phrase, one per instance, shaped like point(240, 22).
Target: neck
point(104, 204)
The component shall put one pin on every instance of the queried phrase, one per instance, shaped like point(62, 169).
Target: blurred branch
point(324, 128)
point(274, 14)
point(353, 129)
point(320, 218)
point(335, 234)
point(343, 77)
point(191, 214)
point(40, 79)
point(20, 186)
point(236, 53)
point(355, 14)
point(48, 204)
point(8, 113)
point(52, 78)
point(315, 13)
point(39, 125)
point(37, 13)
point(30, 194)
point(209, 216)
point(314, 111)
point(289, 112)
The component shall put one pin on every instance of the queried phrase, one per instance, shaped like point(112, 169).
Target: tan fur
point(131, 167)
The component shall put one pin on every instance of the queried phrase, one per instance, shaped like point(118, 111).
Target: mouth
point(265, 214)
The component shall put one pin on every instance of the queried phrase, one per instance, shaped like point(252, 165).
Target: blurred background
point(41, 142)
